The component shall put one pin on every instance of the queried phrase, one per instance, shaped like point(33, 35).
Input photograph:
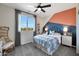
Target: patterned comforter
point(47, 41)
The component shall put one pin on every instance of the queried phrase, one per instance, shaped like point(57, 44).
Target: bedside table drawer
point(67, 40)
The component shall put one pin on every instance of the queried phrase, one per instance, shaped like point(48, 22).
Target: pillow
point(57, 33)
point(51, 32)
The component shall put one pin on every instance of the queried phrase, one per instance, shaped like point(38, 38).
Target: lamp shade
point(65, 29)
point(39, 9)
point(46, 29)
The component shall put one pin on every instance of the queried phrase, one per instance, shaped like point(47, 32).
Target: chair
point(8, 44)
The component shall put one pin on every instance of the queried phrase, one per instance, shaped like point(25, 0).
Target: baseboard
point(69, 46)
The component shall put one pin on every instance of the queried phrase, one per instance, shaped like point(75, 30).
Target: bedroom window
point(26, 22)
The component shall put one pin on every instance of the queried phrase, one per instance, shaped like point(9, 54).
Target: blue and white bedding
point(47, 41)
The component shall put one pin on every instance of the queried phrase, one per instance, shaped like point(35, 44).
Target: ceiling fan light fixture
point(39, 9)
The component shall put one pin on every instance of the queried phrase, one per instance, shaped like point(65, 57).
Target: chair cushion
point(3, 41)
point(8, 45)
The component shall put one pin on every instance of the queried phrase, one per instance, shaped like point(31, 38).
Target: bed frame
point(39, 46)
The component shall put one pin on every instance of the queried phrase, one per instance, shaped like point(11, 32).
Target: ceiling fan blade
point(35, 10)
point(39, 5)
point(46, 6)
point(42, 10)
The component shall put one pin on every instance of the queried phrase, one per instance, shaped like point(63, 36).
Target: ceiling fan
point(40, 7)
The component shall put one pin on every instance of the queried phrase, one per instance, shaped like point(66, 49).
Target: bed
point(48, 43)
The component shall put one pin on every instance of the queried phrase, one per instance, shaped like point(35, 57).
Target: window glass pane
point(31, 23)
point(22, 22)
point(26, 22)
point(19, 22)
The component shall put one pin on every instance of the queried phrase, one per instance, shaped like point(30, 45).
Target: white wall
point(77, 30)
point(43, 21)
point(7, 18)
point(40, 21)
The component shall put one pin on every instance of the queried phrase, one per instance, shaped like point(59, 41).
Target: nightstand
point(67, 40)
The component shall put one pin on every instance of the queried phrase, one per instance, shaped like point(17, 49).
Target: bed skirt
point(39, 46)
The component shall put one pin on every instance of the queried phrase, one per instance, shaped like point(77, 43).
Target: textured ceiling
point(30, 7)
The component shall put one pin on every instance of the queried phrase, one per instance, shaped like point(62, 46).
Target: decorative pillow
point(51, 32)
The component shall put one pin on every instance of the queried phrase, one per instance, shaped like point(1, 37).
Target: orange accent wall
point(67, 17)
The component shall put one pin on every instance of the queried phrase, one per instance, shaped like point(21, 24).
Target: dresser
point(67, 40)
